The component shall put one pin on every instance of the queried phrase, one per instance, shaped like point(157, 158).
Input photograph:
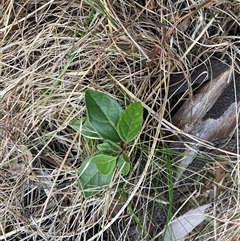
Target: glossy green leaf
point(76, 124)
point(125, 157)
point(106, 148)
point(86, 129)
point(130, 122)
point(105, 163)
point(90, 180)
point(123, 164)
point(115, 147)
point(103, 113)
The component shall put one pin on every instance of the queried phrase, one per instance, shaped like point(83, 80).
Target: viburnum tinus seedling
point(116, 127)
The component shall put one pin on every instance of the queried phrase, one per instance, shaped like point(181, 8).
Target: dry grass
point(50, 53)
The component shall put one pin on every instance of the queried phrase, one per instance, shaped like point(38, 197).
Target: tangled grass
point(50, 53)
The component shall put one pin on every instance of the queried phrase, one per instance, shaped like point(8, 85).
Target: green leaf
point(76, 124)
point(130, 122)
point(105, 163)
point(90, 180)
point(106, 148)
point(86, 129)
point(125, 157)
point(115, 147)
point(123, 164)
point(103, 113)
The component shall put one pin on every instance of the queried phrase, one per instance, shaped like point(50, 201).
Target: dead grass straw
point(50, 53)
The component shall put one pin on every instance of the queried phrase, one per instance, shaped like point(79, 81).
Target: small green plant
point(108, 121)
